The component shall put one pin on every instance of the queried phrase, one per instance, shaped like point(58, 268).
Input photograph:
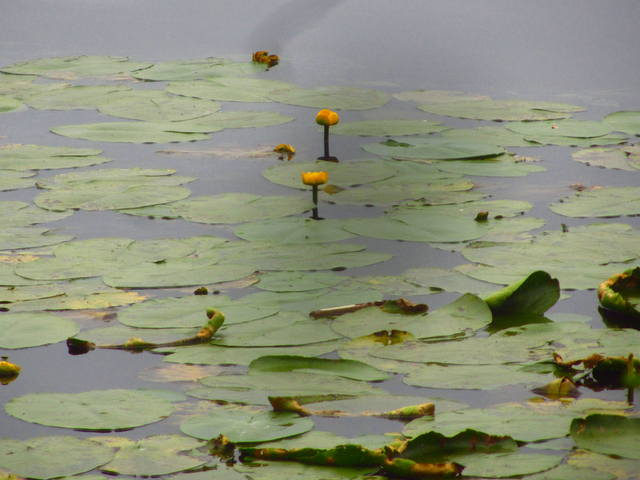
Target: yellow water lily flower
point(314, 178)
point(8, 371)
point(260, 55)
point(284, 148)
point(327, 117)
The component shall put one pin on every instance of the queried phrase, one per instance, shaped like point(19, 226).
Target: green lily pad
point(29, 237)
point(560, 128)
point(334, 97)
point(154, 106)
point(433, 148)
point(379, 404)
point(471, 377)
point(10, 104)
point(276, 331)
point(342, 174)
point(608, 434)
point(70, 68)
point(501, 110)
point(229, 89)
point(298, 281)
point(621, 158)
point(229, 208)
point(189, 311)
point(93, 410)
point(600, 202)
point(10, 180)
point(627, 122)
point(579, 259)
point(138, 176)
point(119, 334)
point(29, 292)
point(611, 139)
point(502, 465)
point(298, 471)
point(131, 132)
point(197, 69)
point(217, 355)
point(387, 128)
point(323, 366)
point(620, 292)
point(52, 457)
point(501, 166)
point(37, 157)
point(437, 96)
point(219, 120)
point(293, 230)
point(488, 134)
point(439, 279)
point(179, 272)
point(246, 426)
point(155, 455)
point(23, 330)
point(604, 464)
point(80, 97)
point(534, 295)
point(569, 472)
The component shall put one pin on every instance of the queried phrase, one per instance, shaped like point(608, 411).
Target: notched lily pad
point(335, 98)
point(387, 128)
point(70, 68)
point(600, 202)
point(23, 330)
point(433, 148)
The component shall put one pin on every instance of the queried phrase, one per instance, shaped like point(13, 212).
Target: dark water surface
point(574, 51)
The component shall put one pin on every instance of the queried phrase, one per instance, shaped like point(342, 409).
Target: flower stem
point(314, 190)
point(326, 141)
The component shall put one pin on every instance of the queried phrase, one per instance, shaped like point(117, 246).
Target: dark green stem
point(326, 141)
point(314, 191)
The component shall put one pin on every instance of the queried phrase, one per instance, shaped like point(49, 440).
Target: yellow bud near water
point(314, 178)
point(327, 117)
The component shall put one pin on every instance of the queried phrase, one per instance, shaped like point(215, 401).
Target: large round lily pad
point(10, 180)
point(489, 134)
point(22, 330)
point(9, 104)
point(433, 148)
point(626, 121)
point(93, 410)
point(75, 67)
point(229, 89)
point(387, 128)
point(246, 426)
point(622, 158)
point(335, 98)
point(600, 202)
point(608, 434)
point(471, 377)
point(80, 97)
point(197, 69)
point(52, 457)
point(501, 166)
point(560, 128)
point(322, 366)
point(29, 237)
point(38, 157)
point(293, 230)
point(131, 132)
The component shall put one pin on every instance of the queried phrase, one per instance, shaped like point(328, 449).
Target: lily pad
point(323, 366)
point(501, 110)
point(197, 69)
point(131, 132)
point(298, 281)
point(23, 330)
point(437, 96)
point(246, 426)
point(600, 202)
point(611, 139)
point(334, 97)
point(229, 89)
point(29, 237)
point(70, 68)
point(155, 455)
point(489, 134)
point(501, 166)
point(38, 157)
point(626, 121)
point(229, 208)
point(93, 410)
point(621, 158)
point(471, 377)
point(293, 230)
point(387, 128)
point(155, 106)
point(10, 104)
point(439, 279)
point(502, 465)
point(80, 97)
point(619, 293)
point(342, 174)
point(189, 311)
point(10, 180)
point(219, 120)
point(532, 295)
point(52, 457)
point(560, 128)
point(433, 148)
point(608, 434)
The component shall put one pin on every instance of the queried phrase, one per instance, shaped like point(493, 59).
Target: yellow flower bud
point(8, 369)
point(314, 178)
point(260, 55)
point(284, 148)
point(327, 117)
point(271, 60)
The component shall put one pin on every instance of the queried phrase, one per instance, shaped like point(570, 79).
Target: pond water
point(577, 52)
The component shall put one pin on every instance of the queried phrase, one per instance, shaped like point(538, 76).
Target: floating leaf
point(155, 455)
point(560, 128)
point(229, 89)
point(439, 279)
point(197, 69)
point(229, 208)
point(437, 96)
point(533, 295)
point(324, 366)
point(154, 106)
point(608, 434)
point(219, 120)
point(92, 410)
point(619, 468)
point(471, 377)
point(387, 128)
point(52, 457)
point(601, 202)
point(488, 134)
point(85, 97)
point(619, 293)
point(433, 148)
point(38, 157)
point(569, 472)
point(501, 166)
point(75, 67)
point(501, 465)
point(611, 139)
point(622, 158)
point(293, 230)
point(342, 174)
point(10, 180)
point(132, 132)
point(29, 237)
point(23, 330)
point(334, 97)
point(627, 122)
point(501, 110)
point(9, 104)
point(246, 426)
